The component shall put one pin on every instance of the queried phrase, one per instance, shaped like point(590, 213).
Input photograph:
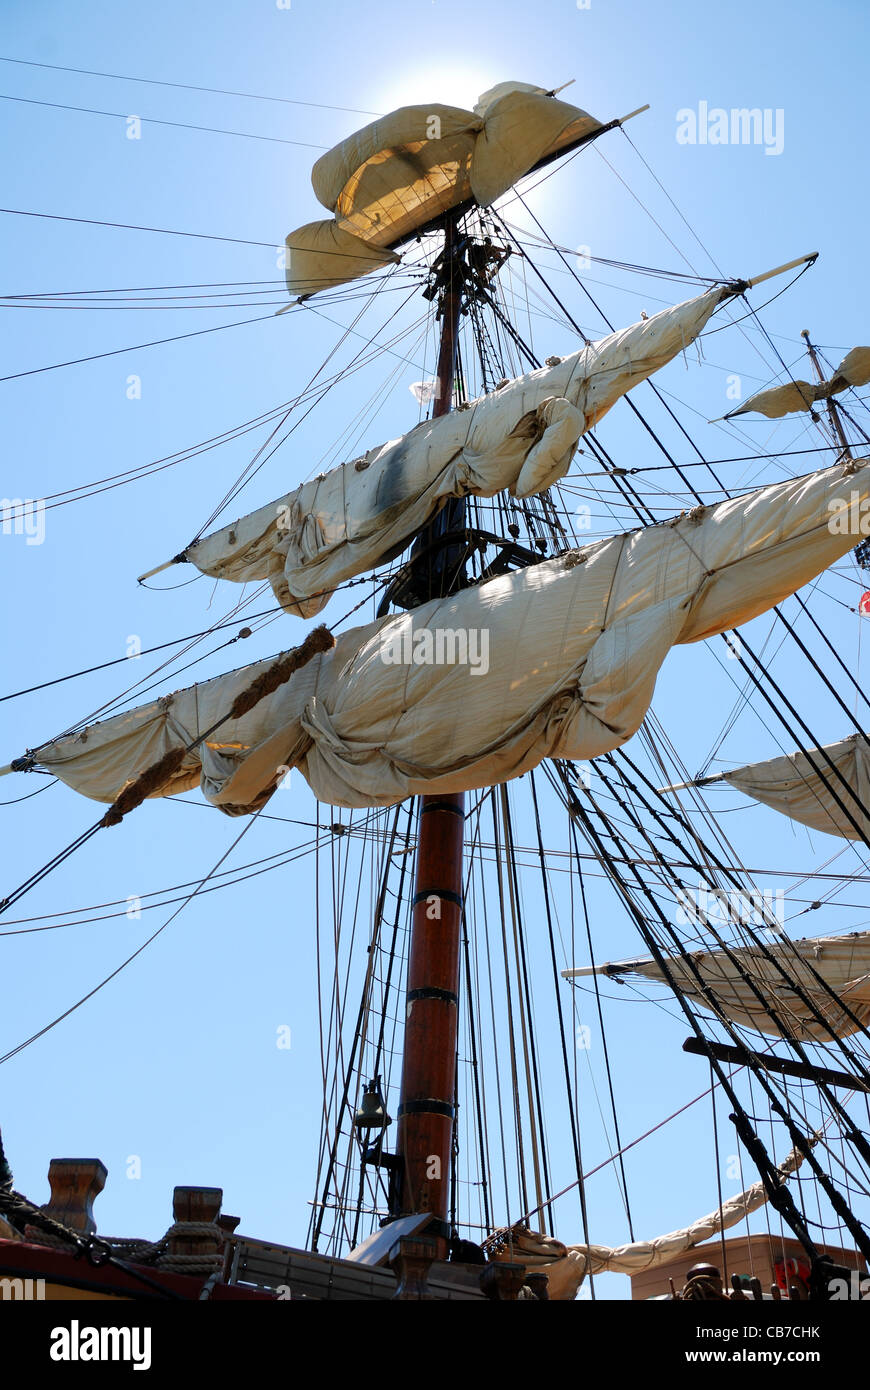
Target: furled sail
point(566, 1266)
point(521, 438)
point(800, 786)
point(842, 962)
point(386, 182)
point(558, 659)
point(854, 370)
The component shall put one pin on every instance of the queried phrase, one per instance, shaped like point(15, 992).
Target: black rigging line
point(817, 747)
point(47, 868)
point(736, 458)
point(523, 971)
point(732, 877)
point(154, 120)
point(161, 308)
point(137, 347)
point(401, 903)
point(777, 610)
point(811, 659)
point(251, 470)
point(511, 1028)
point(606, 1051)
point(783, 1201)
point(546, 244)
point(163, 231)
point(854, 423)
point(269, 862)
point(145, 944)
point(575, 1132)
point(779, 1196)
point(718, 1167)
point(510, 330)
point(17, 799)
point(156, 303)
point(319, 1210)
point(852, 1133)
point(153, 289)
point(86, 490)
point(81, 839)
point(475, 1076)
point(189, 86)
point(629, 492)
point(146, 651)
point(140, 686)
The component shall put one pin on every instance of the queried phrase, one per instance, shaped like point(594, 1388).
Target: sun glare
point(450, 86)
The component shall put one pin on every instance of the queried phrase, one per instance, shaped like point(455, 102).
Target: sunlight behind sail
point(389, 180)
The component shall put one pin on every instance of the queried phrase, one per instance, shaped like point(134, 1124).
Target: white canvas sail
point(797, 395)
point(387, 181)
point(566, 1266)
point(520, 439)
point(842, 963)
point(559, 659)
point(802, 789)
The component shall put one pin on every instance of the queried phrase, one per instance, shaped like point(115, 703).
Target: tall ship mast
point(504, 673)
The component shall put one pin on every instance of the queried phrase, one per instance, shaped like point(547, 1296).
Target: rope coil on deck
point(157, 1253)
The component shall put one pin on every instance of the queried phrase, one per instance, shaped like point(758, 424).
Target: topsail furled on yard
point(520, 438)
point(570, 652)
point(798, 395)
point(388, 181)
point(825, 788)
point(811, 990)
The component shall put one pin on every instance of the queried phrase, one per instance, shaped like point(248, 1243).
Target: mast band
point(442, 806)
point(426, 1107)
point(446, 893)
point(446, 996)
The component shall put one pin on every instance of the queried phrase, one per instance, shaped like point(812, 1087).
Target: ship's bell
point(372, 1113)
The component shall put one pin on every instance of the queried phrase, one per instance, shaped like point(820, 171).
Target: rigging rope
point(13, 1052)
point(188, 86)
point(154, 120)
point(779, 1196)
point(137, 347)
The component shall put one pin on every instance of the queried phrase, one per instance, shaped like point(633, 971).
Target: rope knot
point(573, 558)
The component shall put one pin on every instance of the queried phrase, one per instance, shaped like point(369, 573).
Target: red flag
point(864, 604)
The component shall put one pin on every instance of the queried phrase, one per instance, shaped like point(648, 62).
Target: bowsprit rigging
point(485, 705)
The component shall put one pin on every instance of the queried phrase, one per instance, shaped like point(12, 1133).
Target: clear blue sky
point(175, 1061)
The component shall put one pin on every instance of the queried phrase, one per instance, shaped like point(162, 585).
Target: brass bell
point(372, 1113)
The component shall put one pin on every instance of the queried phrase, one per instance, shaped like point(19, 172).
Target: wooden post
point(191, 1205)
point(410, 1260)
point(502, 1280)
point(75, 1183)
point(427, 1102)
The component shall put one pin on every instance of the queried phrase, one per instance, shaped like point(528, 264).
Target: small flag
point(423, 391)
point(864, 604)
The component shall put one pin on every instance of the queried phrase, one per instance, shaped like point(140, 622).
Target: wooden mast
point(428, 1094)
point(833, 412)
